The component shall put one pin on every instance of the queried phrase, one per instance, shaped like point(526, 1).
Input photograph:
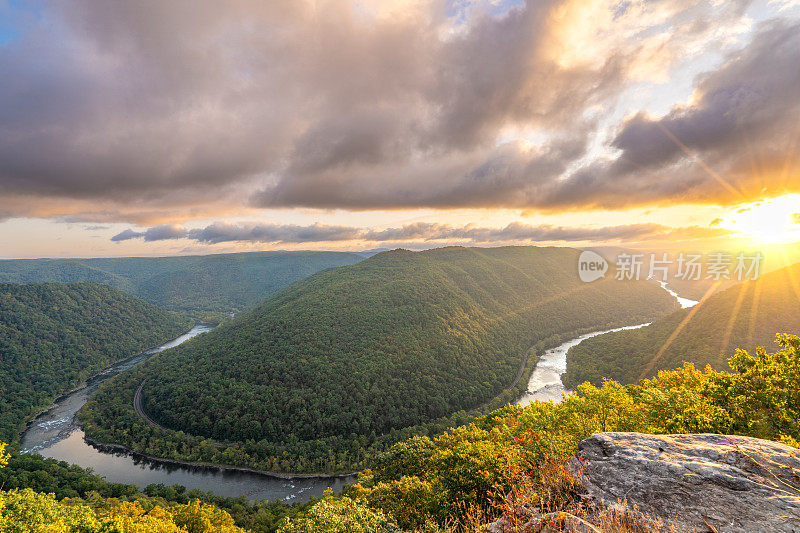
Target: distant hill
point(746, 315)
point(337, 363)
point(197, 285)
point(53, 336)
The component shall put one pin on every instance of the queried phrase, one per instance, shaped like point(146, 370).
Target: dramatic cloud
point(345, 104)
point(421, 232)
point(736, 140)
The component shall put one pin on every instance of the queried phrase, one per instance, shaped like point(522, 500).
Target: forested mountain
point(54, 335)
point(197, 285)
point(746, 315)
point(336, 364)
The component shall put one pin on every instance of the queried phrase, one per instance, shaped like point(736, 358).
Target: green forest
point(746, 315)
point(207, 287)
point(325, 373)
point(53, 336)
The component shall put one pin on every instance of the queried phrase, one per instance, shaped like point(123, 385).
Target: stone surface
point(548, 523)
point(699, 483)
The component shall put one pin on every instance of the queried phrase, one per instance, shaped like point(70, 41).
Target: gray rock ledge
point(699, 483)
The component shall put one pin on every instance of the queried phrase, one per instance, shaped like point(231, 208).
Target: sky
point(188, 127)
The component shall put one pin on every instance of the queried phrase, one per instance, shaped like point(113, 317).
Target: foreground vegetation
point(508, 463)
point(323, 375)
point(74, 484)
point(206, 287)
point(511, 462)
point(54, 335)
point(28, 511)
point(746, 315)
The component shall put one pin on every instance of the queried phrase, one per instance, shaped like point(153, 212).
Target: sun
point(773, 221)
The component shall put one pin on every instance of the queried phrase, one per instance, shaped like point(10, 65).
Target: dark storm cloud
point(321, 104)
point(421, 231)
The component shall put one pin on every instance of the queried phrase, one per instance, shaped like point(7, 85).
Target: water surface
point(545, 381)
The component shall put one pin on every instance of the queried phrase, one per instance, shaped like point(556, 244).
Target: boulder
point(703, 483)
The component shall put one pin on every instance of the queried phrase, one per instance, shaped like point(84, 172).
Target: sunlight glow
point(773, 221)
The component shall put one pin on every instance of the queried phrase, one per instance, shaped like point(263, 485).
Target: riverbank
point(210, 467)
point(545, 381)
point(106, 371)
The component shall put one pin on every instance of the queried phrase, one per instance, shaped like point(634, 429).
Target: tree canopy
point(54, 335)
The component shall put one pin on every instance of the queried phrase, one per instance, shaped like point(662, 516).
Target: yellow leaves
point(790, 441)
point(408, 499)
point(131, 517)
point(199, 517)
point(26, 511)
point(343, 515)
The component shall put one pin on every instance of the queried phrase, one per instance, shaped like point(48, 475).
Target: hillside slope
point(341, 361)
point(747, 315)
point(197, 285)
point(53, 336)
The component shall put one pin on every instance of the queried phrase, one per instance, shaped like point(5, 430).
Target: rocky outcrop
point(699, 483)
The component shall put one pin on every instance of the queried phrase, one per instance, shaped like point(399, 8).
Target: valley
point(328, 372)
point(208, 288)
point(231, 468)
point(56, 434)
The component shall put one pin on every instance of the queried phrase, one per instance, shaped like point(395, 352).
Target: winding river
point(57, 434)
point(545, 381)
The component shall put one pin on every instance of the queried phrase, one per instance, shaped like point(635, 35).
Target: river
point(545, 381)
point(57, 434)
